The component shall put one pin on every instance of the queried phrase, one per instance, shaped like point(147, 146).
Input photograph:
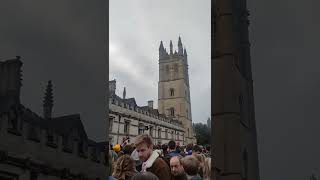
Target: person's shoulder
point(197, 177)
point(112, 178)
point(160, 162)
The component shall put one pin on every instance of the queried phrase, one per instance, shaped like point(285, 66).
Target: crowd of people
point(146, 161)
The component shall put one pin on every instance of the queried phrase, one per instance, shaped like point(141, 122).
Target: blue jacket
point(174, 153)
point(112, 178)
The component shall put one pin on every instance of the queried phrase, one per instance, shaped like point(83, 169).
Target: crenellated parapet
point(173, 54)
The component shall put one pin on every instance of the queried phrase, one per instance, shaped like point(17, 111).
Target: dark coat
point(160, 169)
point(181, 177)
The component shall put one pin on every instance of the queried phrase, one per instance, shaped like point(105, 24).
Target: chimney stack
point(150, 104)
point(112, 86)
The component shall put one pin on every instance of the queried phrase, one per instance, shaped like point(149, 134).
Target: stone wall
point(38, 152)
point(136, 118)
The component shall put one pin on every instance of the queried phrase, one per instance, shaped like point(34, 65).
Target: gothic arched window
point(51, 140)
point(111, 123)
point(33, 133)
point(82, 148)
point(151, 131)
point(166, 133)
point(187, 113)
point(171, 92)
point(126, 127)
point(172, 137)
point(172, 111)
point(141, 128)
point(159, 133)
point(67, 143)
point(176, 68)
point(176, 71)
point(167, 68)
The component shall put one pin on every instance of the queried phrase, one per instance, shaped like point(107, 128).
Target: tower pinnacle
point(124, 93)
point(162, 51)
point(171, 51)
point(180, 48)
point(48, 101)
point(185, 52)
point(161, 46)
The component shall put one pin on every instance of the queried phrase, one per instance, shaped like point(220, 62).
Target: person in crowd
point(201, 159)
point(191, 167)
point(135, 157)
point(128, 149)
point(114, 155)
point(171, 152)
point(208, 154)
point(207, 169)
point(196, 149)
point(164, 149)
point(117, 148)
point(182, 153)
point(145, 176)
point(124, 168)
point(110, 165)
point(150, 159)
point(189, 149)
point(177, 170)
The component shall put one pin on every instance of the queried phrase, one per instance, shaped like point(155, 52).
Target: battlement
point(164, 55)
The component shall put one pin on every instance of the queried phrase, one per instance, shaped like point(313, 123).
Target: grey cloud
point(64, 41)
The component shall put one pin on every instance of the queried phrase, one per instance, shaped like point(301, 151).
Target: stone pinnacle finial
point(180, 48)
point(48, 101)
point(124, 93)
point(171, 51)
point(162, 51)
point(161, 46)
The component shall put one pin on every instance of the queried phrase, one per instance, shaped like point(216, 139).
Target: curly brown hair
point(124, 167)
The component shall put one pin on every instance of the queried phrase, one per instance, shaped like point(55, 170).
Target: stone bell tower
point(234, 127)
point(174, 89)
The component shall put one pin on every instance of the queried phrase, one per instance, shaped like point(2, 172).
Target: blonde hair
point(143, 139)
point(190, 165)
point(207, 169)
point(200, 157)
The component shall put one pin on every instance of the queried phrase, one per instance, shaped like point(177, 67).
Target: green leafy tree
point(203, 133)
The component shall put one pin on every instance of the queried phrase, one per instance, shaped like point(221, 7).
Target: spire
point(185, 52)
point(171, 48)
point(180, 48)
point(124, 93)
point(48, 101)
point(161, 51)
point(161, 46)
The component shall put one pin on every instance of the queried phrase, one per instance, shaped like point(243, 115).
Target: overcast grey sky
point(62, 41)
point(136, 29)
